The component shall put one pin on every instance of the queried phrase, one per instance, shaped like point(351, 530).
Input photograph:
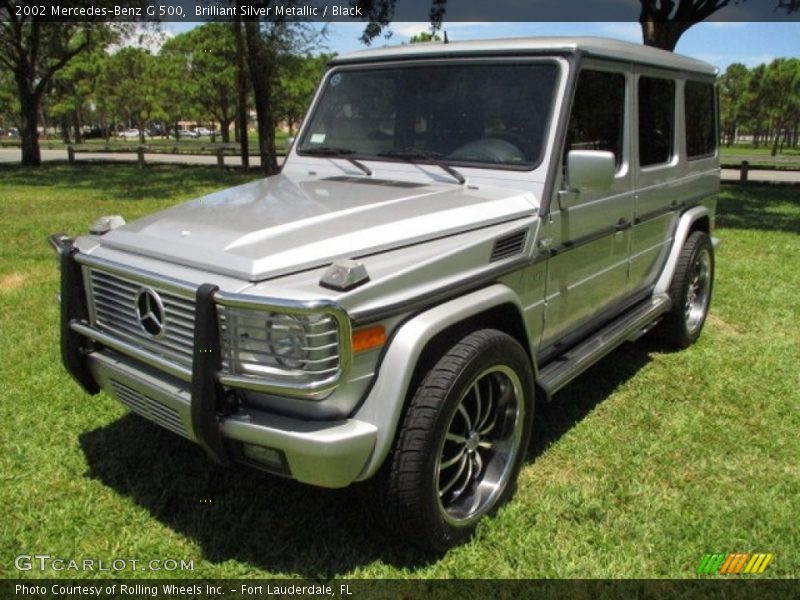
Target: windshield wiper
point(337, 151)
point(416, 153)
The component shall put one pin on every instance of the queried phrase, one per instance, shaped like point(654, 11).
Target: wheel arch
point(419, 343)
point(697, 218)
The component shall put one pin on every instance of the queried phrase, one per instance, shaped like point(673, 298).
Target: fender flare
point(685, 223)
point(384, 403)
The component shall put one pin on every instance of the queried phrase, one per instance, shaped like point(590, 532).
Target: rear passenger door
point(587, 274)
point(657, 170)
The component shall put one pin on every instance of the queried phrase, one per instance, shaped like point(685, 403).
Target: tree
point(34, 51)
point(129, 86)
point(266, 44)
point(206, 61)
point(424, 36)
point(781, 93)
point(664, 21)
point(297, 79)
point(73, 92)
point(732, 91)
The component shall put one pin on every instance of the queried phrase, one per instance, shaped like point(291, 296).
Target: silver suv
point(459, 229)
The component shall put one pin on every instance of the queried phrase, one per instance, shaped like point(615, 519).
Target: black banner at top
point(396, 10)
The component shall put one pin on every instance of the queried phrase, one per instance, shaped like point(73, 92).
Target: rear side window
point(656, 120)
point(701, 134)
point(598, 113)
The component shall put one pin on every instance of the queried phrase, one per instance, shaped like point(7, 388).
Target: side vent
point(509, 245)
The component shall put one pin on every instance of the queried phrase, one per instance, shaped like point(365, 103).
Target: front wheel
point(690, 292)
point(462, 441)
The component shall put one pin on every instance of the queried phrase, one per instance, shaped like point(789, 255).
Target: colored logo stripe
point(734, 563)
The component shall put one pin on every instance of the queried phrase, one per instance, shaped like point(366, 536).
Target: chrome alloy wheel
point(477, 454)
point(697, 294)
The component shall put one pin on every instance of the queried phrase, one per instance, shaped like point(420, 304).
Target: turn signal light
point(368, 338)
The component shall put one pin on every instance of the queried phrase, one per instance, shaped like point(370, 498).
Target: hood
point(279, 225)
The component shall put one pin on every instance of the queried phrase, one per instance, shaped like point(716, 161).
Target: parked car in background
point(95, 133)
point(129, 134)
point(200, 131)
point(187, 133)
point(11, 132)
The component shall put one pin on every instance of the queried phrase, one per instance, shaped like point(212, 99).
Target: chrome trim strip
point(311, 389)
point(132, 351)
point(147, 277)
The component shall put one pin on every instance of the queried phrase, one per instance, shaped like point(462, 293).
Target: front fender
point(384, 403)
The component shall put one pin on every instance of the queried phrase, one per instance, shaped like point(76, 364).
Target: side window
point(598, 113)
point(701, 135)
point(656, 120)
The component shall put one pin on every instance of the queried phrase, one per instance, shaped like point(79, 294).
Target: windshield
point(475, 114)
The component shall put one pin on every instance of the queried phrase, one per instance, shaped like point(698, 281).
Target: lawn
point(760, 157)
point(639, 468)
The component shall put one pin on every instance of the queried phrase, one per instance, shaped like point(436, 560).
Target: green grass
point(759, 158)
point(640, 467)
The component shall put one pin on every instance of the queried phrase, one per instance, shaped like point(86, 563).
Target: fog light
point(269, 458)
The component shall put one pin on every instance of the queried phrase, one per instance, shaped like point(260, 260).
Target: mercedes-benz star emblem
point(150, 312)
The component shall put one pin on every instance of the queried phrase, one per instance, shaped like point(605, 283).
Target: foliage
point(424, 36)
point(9, 106)
point(763, 101)
point(128, 87)
point(201, 65)
point(34, 51)
point(297, 79)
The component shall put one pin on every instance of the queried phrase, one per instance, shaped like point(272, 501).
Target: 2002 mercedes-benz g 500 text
point(459, 229)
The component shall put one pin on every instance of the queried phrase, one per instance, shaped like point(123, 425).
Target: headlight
point(286, 339)
point(279, 345)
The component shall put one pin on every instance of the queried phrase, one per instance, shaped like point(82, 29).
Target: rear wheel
point(462, 441)
point(690, 292)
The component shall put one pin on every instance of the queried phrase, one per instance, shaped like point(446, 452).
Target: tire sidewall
point(498, 351)
point(696, 243)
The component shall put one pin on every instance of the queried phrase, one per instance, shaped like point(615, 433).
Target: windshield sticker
point(317, 138)
point(336, 79)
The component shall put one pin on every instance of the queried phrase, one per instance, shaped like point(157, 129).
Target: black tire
point(690, 292)
point(487, 377)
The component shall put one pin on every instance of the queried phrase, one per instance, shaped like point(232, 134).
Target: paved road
point(13, 155)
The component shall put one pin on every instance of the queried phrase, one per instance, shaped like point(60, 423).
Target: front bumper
point(324, 453)
point(192, 402)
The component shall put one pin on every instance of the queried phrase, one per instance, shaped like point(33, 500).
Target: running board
point(629, 327)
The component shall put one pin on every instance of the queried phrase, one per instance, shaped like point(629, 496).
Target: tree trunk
point(661, 34)
point(224, 129)
point(241, 95)
point(29, 126)
point(64, 126)
point(262, 65)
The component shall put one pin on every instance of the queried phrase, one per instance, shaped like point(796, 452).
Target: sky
point(720, 43)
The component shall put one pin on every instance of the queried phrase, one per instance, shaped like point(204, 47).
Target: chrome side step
point(630, 326)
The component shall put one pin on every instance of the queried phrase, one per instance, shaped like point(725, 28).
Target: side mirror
point(590, 169)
